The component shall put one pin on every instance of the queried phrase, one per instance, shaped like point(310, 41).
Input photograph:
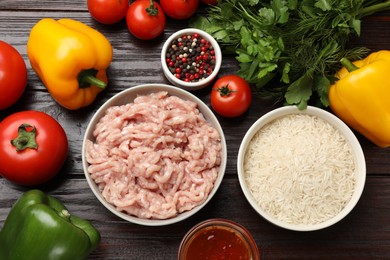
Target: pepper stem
point(348, 64)
point(64, 214)
point(25, 139)
point(88, 77)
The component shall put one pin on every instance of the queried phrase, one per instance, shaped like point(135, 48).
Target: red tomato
point(145, 19)
point(31, 166)
point(108, 11)
point(210, 2)
point(13, 75)
point(231, 96)
point(179, 9)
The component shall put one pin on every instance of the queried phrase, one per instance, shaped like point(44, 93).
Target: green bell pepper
point(40, 227)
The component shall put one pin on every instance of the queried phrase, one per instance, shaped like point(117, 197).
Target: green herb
point(289, 50)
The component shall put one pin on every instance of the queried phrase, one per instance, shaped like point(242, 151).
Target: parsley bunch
point(289, 50)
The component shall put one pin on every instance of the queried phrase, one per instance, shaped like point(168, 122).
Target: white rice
point(300, 169)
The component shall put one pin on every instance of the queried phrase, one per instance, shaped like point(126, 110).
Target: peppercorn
point(190, 58)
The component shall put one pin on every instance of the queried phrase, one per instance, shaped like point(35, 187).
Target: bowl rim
point(145, 89)
point(344, 130)
point(191, 85)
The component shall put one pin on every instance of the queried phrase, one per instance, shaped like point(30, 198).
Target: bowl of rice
point(301, 170)
point(154, 154)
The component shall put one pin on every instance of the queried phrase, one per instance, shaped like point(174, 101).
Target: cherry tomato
point(210, 2)
point(108, 11)
point(179, 9)
point(38, 160)
point(13, 75)
point(145, 19)
point(231, 96)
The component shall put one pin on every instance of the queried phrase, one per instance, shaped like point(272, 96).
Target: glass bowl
point(218, 239)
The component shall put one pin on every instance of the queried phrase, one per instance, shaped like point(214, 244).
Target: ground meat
point(156, 157)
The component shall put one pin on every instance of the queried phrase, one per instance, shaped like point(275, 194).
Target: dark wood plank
point(364, 234)
point(43, 5)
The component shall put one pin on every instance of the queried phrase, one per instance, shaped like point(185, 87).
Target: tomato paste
point(216, 242)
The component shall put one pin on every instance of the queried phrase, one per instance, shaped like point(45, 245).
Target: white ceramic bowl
point(191, 85)
point(358, 156)
point(127, 96)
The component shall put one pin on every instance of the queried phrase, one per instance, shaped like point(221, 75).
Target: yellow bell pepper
point(361, 96)
point(71, 59)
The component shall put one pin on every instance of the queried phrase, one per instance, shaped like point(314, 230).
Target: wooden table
point(363, 234)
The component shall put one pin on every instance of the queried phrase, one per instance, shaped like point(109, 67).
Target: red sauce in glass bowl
point(216, 239)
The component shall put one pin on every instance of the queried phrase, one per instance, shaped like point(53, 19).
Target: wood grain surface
point(363, 234)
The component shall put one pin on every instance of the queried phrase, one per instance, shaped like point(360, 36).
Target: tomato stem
point(25, 139)
point(152, 10)
point(224, 91)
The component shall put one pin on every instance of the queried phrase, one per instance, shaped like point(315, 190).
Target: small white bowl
point(357, 155)
point(128, 96)
point(191, 86)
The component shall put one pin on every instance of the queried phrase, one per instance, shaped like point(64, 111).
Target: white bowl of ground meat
point(154, 154)
point(302, 170)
